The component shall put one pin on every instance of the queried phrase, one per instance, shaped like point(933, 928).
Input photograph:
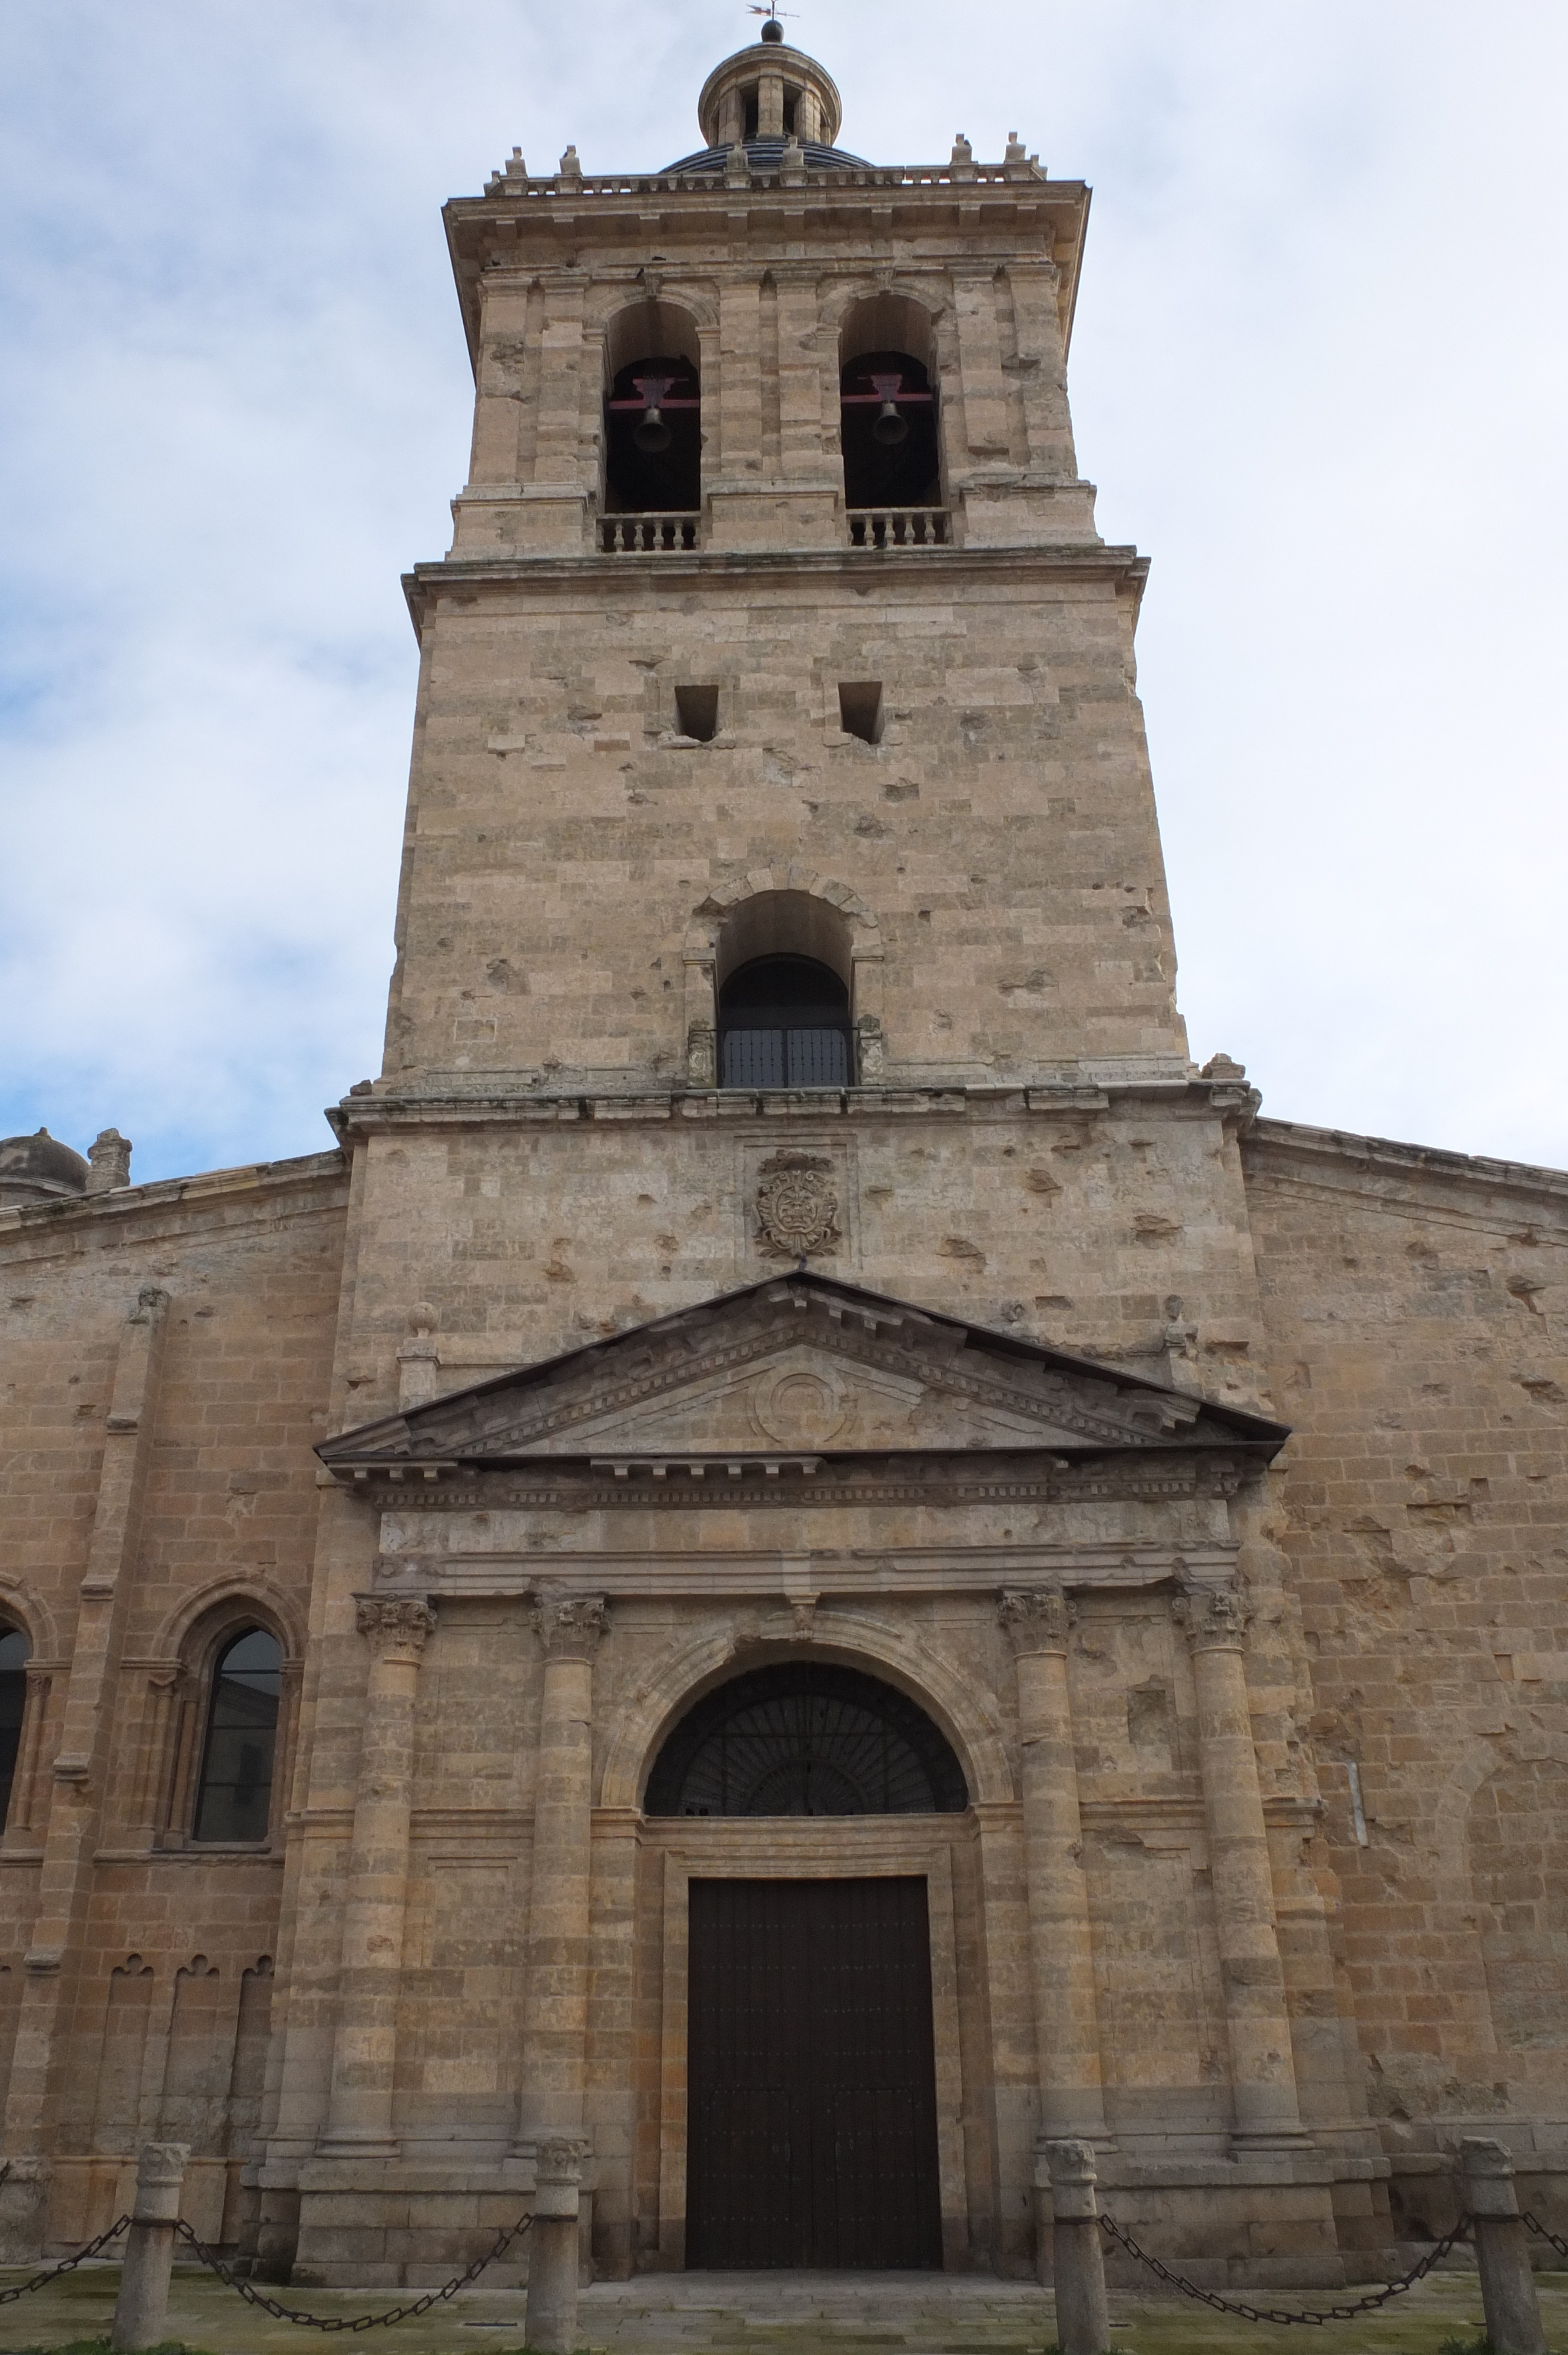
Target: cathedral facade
point(808, 1556)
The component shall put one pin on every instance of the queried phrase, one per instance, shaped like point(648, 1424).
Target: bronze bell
point(890, 428)
point(650, 433)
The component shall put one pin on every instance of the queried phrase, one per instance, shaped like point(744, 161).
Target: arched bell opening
point(806, 1738)
point(887, 400)
point(652, 419)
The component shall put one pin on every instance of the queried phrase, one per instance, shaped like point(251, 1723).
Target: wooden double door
point(811, 2117)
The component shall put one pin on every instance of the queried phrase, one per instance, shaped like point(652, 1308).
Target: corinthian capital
point(1214, 1617)
point(569, 1625)
point(397, 1625)
point(1036, 1618)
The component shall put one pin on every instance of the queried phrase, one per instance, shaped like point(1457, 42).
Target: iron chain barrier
point(350, 2322)
point(1533, 2225)
point(68, 2265)
point(1279, 2314)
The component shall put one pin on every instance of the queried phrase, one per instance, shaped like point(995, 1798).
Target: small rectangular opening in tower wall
point(859, 709)
point(696, 712)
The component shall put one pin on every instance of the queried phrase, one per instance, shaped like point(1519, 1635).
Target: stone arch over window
point(1516, 1852)
point(218, 1721)
point(888, 395)
point(652, 414)
point(806, 1738)
point(29, 1661)
point(813, 944)
point(674, 1685)
point(16, 1651)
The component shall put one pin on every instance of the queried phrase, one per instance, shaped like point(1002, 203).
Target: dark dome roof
point(42, 1161)
point(766, 155)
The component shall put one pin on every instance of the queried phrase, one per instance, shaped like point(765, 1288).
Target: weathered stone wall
point(993, 864)
point(167, 1350)
point(1417, 1312)
point(1107, 1222)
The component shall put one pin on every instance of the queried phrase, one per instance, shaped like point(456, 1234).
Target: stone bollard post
point(141, 2309)
point(551, 2324)
point(1503, 2253)
point(1078, 2273)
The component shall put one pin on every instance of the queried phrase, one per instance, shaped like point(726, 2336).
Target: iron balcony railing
point(805, 1058)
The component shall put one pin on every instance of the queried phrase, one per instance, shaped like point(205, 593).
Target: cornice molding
point(224, 1190)
point(1332, 1156)
point(502, 1100)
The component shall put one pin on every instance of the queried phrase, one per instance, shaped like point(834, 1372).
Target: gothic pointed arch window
point(234, 1793)
point(15, 1653)
point(807, 1738)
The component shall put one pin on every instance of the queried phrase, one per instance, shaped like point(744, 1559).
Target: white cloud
point(1319, 375)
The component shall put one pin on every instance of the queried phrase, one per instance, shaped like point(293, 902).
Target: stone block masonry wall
point(167, 1351)
point(528, 1233)
point(572, 859)
point(1417, 1312)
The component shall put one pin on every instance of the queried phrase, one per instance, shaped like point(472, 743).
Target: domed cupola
point(39, 1169)
point(764, 99)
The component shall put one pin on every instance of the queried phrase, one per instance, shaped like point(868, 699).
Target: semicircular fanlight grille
point(803, 1740)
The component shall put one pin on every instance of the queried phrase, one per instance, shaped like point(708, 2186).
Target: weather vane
point(772, 15)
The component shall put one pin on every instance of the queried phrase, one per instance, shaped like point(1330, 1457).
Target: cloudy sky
point(1317, 373)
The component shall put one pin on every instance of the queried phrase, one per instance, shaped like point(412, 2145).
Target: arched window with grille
point(234, 1797)
point(15, 1654)
point(806, 1739)
point(784, 1022)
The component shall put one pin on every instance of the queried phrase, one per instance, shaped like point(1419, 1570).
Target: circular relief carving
point(797, 1207)
point(800, 1408)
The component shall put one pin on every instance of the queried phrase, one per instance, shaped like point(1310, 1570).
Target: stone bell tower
point(784, 1102)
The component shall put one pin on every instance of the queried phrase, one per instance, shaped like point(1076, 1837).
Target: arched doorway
point(811, 2128)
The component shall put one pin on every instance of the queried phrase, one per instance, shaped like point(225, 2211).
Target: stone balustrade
point(900, 527)
point(646, 535)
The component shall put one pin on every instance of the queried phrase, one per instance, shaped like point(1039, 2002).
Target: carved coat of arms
point(797, 1207)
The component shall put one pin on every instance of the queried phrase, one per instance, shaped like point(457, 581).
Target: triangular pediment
point(801, 1365)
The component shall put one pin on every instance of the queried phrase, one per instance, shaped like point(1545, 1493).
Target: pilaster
point(1263, 2072)
point(1038, 1622)
point(365, 2053)
point(554, 2003)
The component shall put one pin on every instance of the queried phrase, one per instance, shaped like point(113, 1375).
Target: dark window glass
point(802, 1740)
point(14, 1649)
point(236, 1794)
point(784, 1023)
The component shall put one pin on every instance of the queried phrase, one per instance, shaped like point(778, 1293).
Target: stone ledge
point(213, 1189)
point(1364, 1156)
point(490, 1100)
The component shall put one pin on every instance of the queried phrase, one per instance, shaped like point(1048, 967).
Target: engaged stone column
point(1263, 2072)
point(365, 2051)
point(1062, 1960)
point(555, 1999)
point(1508, 2301)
